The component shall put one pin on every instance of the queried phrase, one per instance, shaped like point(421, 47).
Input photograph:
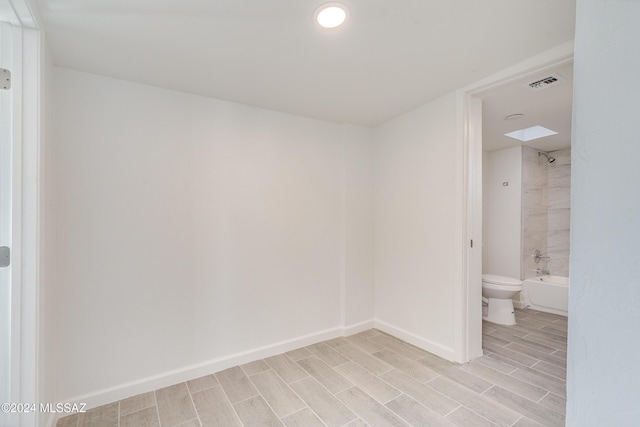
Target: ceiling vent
point(546, 82)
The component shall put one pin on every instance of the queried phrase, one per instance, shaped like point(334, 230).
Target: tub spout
point(544, 271)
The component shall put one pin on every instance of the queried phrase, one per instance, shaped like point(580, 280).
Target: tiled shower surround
point(546, 197)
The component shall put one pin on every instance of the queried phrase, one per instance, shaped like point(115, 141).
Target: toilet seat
point(501, 280)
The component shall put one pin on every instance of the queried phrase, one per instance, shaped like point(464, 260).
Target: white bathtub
point(547, 293)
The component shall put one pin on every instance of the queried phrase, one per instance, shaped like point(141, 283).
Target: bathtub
point(547, 293)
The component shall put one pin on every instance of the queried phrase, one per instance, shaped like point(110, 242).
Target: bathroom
point(526, 191)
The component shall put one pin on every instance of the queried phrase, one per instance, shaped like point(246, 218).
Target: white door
point(5, 225)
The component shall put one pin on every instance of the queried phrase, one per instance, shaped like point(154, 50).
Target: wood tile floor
point(370, 379)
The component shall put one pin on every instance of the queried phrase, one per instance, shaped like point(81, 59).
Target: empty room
point(308, 213)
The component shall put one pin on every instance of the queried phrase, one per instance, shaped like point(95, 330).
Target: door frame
point(26, 134)
point(469, 124)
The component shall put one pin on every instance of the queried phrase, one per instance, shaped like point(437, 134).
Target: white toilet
point(497, 292)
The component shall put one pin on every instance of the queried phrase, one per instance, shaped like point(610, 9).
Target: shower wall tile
point(563, 157)
point(558, 219)
point(559, 197)
point(534, 209)
point(559, 176)
point(559, 212)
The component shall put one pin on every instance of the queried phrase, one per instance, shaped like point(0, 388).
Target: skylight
point(528, 134)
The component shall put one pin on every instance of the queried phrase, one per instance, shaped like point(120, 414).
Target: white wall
point(416, 258)
point(501, 212)
point(358, 225)
point(604, 300)
point(189, 229)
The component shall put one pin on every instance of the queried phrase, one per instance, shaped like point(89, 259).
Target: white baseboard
point(122, 391)
point(358, 327)
point(418, 341)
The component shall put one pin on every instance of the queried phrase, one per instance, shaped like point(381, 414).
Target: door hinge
point(5, 256)
point(5, 78)
point(471, 242)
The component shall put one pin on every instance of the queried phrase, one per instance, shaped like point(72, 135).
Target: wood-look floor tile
point(463, 417)
point(508, 332)
point(498, 363)
point(191, 423)
point(255, 412)
point(452, 371)
point(427, 396)
point(330, 410)
point(372, 364)
point(410, 367)
point(327, 354)
point(357, 423)
point(554, 402)
point(478, 403)
point(548, 339)
point(278, 395)
point(364, 344)
point(336, 342)
point(414, 413)
point(526, 422)
point(201, 383)
point(488, 338)
point(288, 370)
point(530, 409)
point(533, 354)
point(550, 369)
point(532, 323)
point(303, 418)
point(542, 380)
point(516, 356)
point(369, 383)
point(562, 354)
point(236, 384)
point(145, 418)
point(137, 403)
point(328, 377)
point(368, 333)
point(398, 346)
point(254, 367)
point(214, 409)
point(174, 405)
point(68, 421)
point(102, 416)
point(368, 409)
point(509, 382)
point(299, 353)
point(556, 330)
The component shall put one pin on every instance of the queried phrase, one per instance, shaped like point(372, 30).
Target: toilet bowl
point(497, 293)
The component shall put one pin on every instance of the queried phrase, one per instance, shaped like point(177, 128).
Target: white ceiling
point(550, 108)
point(391, 57)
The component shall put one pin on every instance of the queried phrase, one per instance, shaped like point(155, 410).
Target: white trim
point(30, 180)
point(358, 327)
point(418, 341)
point(465, 297)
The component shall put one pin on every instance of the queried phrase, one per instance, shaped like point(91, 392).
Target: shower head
point(549, 158)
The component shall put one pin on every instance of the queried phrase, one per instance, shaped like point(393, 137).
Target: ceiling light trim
point(325, 16)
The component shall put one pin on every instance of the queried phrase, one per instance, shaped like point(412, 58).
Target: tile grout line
point(265, 399)
point(155, 399)
point(224, 392)
point(193, 403)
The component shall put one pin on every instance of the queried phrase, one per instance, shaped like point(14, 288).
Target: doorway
point(471, 119)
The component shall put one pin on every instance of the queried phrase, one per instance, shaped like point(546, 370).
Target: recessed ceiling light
point(331, 15)
point(514, 116)
point(528, 134)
